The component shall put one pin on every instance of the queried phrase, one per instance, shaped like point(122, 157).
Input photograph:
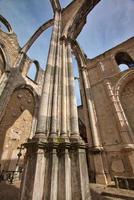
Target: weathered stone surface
point(44, 110)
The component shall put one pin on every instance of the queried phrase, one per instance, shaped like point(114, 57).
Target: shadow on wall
point(16, 124)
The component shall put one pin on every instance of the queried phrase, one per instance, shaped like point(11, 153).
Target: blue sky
point(109, 23)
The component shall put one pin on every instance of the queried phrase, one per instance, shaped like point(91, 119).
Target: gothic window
point(33, 71)
point(4, 25)
point(124, 61)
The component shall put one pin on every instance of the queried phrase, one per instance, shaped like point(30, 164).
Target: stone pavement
point(99, 192)
point(9, 191)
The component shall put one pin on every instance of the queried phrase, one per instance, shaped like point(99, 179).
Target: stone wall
point(15, 127)
point(112, 95)
point(19, 100)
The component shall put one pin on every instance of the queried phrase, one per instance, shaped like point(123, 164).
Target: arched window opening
point(4, 25)
point(124, 61)
point(2, 63)
point(33, 71)
point(123, 67)
point(77, 82)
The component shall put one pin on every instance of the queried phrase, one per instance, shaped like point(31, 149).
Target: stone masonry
point(66, 146)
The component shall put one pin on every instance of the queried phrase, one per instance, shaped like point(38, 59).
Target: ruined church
point(58, 146)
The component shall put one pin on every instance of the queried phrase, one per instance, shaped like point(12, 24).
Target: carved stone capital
point(96, 149)
point(128, 147)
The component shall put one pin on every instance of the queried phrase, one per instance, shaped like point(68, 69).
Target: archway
point(124, 61)
point(33, 71)
point(127, 99)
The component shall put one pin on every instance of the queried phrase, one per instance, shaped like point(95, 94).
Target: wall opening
point(124, 61)
point(77, 82)
point(4, 25)
point(33, 71)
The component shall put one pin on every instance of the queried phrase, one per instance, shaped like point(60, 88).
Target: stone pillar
point(91, 110)
point(54, 110)
point(43, 117)
point(64, 93)
point(96, 149)
point(72, 99)
point(56, 165)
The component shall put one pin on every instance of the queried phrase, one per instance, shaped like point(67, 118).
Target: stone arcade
point(58, 163)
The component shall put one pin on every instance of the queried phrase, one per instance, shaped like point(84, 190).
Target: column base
point(128, 151)
point(99, 171)
point(55, 172)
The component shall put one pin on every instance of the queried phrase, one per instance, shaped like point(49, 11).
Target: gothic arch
point(35, 36)
point(16, 125)
point(122, 95)
point(34, 67)
point(123, 58)
point(6, 24)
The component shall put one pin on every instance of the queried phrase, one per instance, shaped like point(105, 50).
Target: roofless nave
point(58, 163)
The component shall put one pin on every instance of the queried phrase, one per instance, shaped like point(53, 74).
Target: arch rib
point(37, 33)
point(6, 23)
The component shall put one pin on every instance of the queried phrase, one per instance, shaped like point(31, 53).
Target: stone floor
point(9, 191)
point(98, 192)
point(102, 192)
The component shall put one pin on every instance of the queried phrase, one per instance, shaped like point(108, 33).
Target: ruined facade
point(65, 147)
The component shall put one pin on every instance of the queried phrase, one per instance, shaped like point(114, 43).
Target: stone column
point(64, 87)
point(74, 128)
point(91, 110)
point(43, 110)
point(96, 149)
point(56, 166)
point(55, 82)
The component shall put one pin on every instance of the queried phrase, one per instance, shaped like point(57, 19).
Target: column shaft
point(91, 110)
point(54, 112)
point(43, 110)
point(72, 98)
point(63, 97)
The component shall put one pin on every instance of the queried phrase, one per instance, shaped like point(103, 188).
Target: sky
point(108, 24)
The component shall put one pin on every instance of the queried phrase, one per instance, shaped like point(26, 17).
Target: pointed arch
point(16, 125)
point(124, 61)
point(33, 71)
point(6, 24)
